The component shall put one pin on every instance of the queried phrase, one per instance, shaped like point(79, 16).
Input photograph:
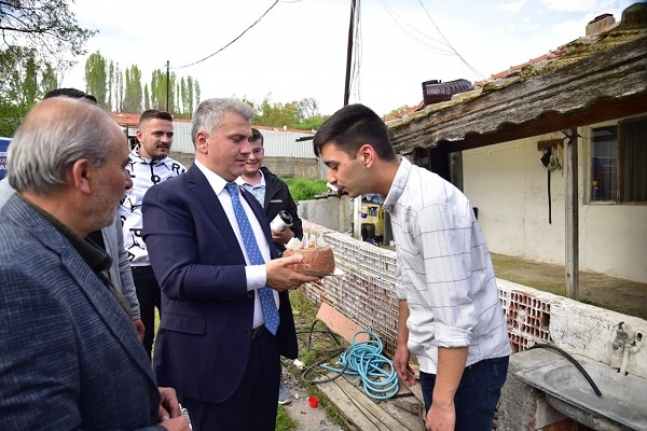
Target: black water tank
point(435, 91)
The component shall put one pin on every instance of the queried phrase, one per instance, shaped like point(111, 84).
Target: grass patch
point(302, 189)
point(284, 422)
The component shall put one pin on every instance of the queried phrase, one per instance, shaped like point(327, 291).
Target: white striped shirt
point(444, 270)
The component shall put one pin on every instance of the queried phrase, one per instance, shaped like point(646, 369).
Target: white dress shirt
point(256, 274)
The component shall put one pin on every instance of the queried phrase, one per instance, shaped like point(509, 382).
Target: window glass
point(604, 164)
point(633, 150)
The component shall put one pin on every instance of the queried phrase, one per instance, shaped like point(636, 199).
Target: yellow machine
point(372, 222)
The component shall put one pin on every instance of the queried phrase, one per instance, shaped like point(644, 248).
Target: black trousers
point(149, 296)
point(252, 406)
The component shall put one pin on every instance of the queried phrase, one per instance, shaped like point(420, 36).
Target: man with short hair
point(110, 238)
point(150, 164)
point(226, 313)
point(274, 195)
point(450, 315)
point(70, 358)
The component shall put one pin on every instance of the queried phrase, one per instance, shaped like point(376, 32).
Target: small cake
point(314, 259)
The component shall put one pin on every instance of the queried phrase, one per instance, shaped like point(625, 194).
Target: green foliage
point(284, 422)
point(302, 189)
point(23, 82)
point(311, 123)
point(123, 91)
point(133, 90)
point(96, 78)
point(37, 38)
point(47, 26)
point(302, 114)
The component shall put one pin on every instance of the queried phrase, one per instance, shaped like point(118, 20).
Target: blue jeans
point(477, 395)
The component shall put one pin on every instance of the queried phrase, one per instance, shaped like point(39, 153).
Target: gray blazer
point(113, 237)
point(70, 358)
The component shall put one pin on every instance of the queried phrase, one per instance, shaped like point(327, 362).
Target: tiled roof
point(591, 79)
point(513, 72)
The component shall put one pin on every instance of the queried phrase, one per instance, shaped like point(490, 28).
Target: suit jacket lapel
point(200, 186)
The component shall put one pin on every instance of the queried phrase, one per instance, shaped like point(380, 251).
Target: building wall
point(508, 184)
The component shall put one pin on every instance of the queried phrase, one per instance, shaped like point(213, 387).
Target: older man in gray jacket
point(110, 238)
point(70, 358)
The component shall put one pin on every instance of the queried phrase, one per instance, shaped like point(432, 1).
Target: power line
point(236, 38)
point(449, 44)
point(397, 18)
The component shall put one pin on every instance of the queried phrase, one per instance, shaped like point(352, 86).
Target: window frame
point(619, 171)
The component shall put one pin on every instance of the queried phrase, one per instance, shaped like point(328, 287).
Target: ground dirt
point(308, 418)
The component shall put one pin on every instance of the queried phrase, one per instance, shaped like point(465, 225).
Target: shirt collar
point(216, 182)
point(241, 182)
point(95, 258)
point(398, 185)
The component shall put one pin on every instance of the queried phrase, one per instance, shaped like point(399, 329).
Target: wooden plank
point(368, 407)
point(340, 324)
point(391, 417)
point(572, 205)
point(408, 420)
point(348, 407)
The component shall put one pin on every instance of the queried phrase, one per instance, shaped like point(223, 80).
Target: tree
point(22, 84)
point(147, 98)
point(49, 80)
point(47, 25)
point(302, 114)
point(36, 39)
point(159, 91)
point(96, 78)
point(133, 90)
point(119, 88)
point(111, 86)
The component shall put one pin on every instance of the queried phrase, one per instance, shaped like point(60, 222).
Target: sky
point(298, 50)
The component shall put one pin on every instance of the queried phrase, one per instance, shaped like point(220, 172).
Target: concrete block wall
point(294, 167)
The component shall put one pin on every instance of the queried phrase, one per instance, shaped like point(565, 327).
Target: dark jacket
point(277, 198)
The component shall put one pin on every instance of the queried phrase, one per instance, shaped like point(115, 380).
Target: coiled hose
point(363, 359)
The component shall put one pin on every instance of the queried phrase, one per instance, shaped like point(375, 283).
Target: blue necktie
point(265, 294)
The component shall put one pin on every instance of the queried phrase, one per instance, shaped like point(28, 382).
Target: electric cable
point(397, 18)
point(449, 44)
point(573, 361)
point(234, 40)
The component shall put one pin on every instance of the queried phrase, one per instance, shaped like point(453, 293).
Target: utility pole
point(349, 53)
point(168, 82)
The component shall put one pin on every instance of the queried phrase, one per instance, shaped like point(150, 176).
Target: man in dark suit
point(211, 250)
point(70, 357)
